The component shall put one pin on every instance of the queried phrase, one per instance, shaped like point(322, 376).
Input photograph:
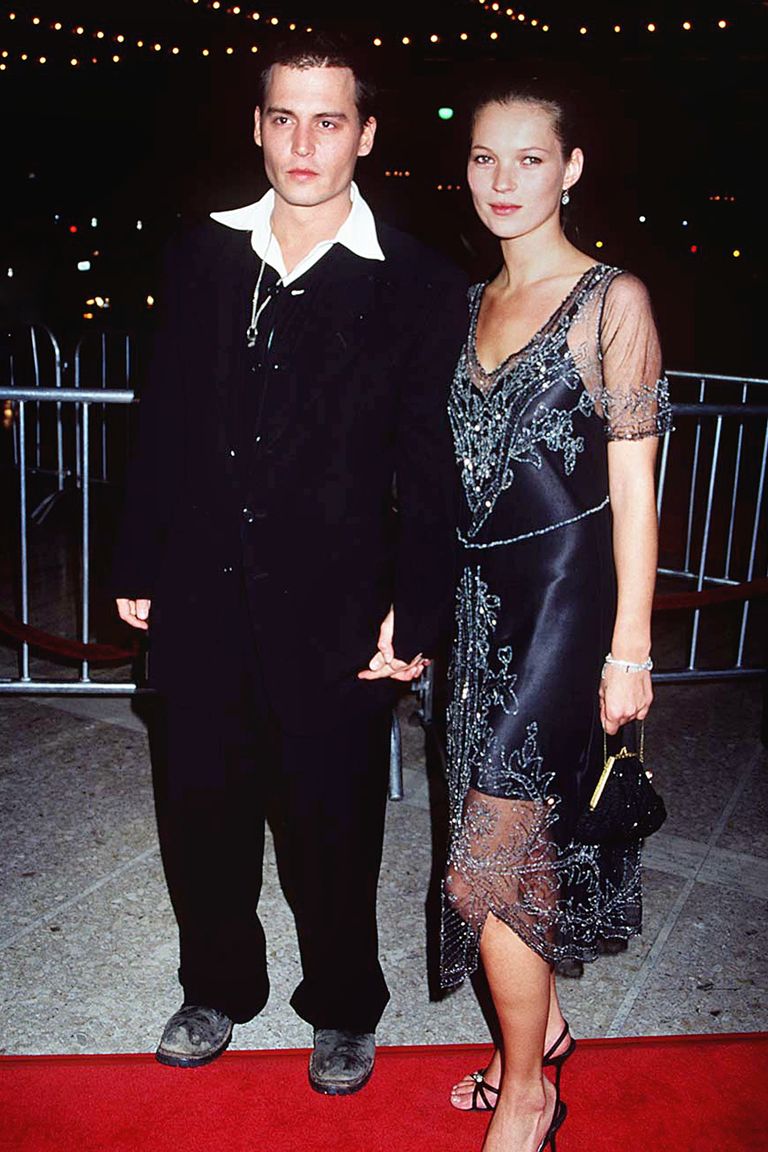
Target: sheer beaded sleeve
point(633, 396)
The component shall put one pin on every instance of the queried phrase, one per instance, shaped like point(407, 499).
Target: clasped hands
point(384, 664)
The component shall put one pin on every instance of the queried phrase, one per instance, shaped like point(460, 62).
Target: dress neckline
point(492, 373)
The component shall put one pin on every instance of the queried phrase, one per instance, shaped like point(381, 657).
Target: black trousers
point(222, 764)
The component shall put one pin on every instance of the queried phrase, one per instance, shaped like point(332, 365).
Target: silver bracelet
point(627, 665)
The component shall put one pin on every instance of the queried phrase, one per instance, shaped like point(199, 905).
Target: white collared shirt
point(358, 233)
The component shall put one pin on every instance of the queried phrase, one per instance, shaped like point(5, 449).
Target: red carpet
point(662, 1094)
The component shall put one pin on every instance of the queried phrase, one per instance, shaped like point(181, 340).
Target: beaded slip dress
point(535, 611)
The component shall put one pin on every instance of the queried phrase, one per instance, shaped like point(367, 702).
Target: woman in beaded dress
point(555, 406)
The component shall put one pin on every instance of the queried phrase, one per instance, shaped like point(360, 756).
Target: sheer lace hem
point(560, 901)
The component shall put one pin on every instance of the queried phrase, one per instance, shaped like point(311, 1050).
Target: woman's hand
point(624, 696)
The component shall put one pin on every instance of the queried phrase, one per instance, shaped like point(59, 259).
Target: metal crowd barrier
point(33, 359)
point(81, 400)
point(717, 465)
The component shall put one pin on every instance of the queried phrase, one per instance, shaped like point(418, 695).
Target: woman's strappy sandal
point(481, 1102)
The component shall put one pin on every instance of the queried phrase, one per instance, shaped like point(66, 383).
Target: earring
point(565, 198)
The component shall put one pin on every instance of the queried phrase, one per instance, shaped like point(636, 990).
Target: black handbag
point(624, 806)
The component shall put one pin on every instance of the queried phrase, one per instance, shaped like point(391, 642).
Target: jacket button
point(248, 515)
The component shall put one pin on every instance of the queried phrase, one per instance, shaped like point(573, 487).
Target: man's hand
point(134, 612)
point(384, 664)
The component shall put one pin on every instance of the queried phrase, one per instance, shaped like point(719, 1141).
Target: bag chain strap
point(623, 752)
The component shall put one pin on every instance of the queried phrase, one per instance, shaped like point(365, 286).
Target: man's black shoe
point(341, 1061)
point(193, 1036)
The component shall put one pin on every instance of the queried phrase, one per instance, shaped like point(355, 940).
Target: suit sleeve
point(155, 466)
point(426, 475)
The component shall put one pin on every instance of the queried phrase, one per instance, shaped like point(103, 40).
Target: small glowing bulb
point(377, 42)
point(583, 30)
point(99, 35)
point(617, 27)
point(685, 223)
point(139, 225)
point(736, 252)
point(57, 27)
point(651, 27)
point(150, 301)
point(598, 243)
point(35, 19)
point(406, 40)
point(641, 219)
point(494, 35)
point(174, 51)
point(687, 25)
point(42, 59)
point(120, 38)
point(73, 62)
point(206, 52)
point(463, 36)
point(230, 51)
point(115, 59)
point(434, 38)
point(722, 23)
point(254, 48)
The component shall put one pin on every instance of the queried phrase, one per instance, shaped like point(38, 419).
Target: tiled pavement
point(87, 937)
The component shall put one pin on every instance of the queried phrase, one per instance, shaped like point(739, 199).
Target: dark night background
point(673, 119)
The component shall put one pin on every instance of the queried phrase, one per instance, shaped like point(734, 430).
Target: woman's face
point(516, 170)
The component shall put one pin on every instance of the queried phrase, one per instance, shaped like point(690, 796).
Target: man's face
point(310, 132)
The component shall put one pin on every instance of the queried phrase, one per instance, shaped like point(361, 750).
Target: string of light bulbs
point(112, 46)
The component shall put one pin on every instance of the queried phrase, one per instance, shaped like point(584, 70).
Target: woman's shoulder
point(623, 288)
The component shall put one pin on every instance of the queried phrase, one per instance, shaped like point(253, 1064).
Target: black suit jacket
point(366, 377)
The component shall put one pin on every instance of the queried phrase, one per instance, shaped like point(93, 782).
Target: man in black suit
point(301, 370)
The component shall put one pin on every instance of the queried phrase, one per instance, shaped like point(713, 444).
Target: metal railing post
point(753, 545)
point(86, 535)
point(23, 536)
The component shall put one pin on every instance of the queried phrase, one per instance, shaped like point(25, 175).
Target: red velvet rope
point(61, 646)
point(749, 590)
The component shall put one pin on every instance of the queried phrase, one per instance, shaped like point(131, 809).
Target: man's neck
point(298, 229)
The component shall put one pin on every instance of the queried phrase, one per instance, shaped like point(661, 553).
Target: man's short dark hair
point(322, 50)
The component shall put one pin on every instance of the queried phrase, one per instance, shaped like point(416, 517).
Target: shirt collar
point(357, 233)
